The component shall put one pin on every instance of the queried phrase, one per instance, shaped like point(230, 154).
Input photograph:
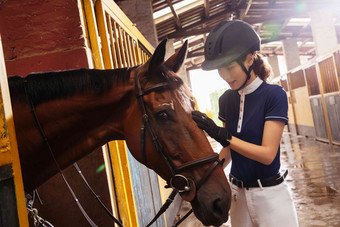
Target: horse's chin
point(209, 220)
point(212, 210)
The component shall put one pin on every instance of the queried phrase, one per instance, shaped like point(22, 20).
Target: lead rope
point(165, 206)
point(183, 218)
point(54, 159)
point(96, 196)
point(175, 191)
point(212, 167)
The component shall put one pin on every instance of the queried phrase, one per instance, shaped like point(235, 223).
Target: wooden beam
point(185, 33)
point(248, 7)
point(206, 8)
point(193, 55)
point(178, 22)
point(190, 29)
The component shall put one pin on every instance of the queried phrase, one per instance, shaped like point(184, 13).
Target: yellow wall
point(8, 144)
point(303, 111)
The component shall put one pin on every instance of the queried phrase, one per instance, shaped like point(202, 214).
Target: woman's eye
point(163, 116)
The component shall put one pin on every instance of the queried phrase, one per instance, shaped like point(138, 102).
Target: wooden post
point(12, 196)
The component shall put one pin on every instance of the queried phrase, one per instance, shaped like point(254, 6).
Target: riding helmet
point(228, 41)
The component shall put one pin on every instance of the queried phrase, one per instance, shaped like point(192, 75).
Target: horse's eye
point(163, 116)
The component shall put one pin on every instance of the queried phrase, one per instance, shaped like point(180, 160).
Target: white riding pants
point(263, 207)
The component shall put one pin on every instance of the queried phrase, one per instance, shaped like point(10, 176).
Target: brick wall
point(140, 12)
point(41, 36)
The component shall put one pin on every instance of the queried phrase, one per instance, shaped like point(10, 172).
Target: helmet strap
point(246, 71)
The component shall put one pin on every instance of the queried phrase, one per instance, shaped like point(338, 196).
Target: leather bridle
point(177, 181)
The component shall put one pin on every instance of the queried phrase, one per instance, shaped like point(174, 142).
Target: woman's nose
point(224, 74)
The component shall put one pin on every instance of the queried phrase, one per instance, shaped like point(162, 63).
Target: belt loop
point(259, 182)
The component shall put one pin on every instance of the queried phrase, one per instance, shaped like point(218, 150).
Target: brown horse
point(81, 110)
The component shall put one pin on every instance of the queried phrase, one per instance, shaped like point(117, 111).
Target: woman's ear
point(249, 60)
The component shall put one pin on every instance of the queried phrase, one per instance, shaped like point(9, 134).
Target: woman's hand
point(220, 134)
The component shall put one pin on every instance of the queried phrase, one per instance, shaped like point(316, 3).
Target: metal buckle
point(180, 183)
point(241, 183)
point(236, 181)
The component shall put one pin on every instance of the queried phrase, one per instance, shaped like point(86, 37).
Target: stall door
point(316, 103)
point(331, 96)
point(146, 191)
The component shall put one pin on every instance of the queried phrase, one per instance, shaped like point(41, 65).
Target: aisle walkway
point(314, 178)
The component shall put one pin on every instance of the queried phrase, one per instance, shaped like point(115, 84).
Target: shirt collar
point(251, 87)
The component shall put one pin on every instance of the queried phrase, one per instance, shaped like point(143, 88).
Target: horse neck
point(75, 125)
point(95, 112)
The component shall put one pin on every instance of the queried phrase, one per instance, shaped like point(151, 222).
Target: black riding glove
point(220, 134)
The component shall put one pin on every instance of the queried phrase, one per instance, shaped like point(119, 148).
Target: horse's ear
point(158, 56)
point(176, 60)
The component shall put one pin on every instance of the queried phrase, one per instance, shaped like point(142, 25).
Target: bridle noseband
point(176, 180)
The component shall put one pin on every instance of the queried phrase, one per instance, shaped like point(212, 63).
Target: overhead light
point(176, 6)
point(298, 22)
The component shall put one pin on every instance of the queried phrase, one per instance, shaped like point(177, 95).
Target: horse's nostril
point(217, 206)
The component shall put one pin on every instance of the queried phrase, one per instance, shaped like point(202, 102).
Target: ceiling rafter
point(270, 18)
point(206, 8)
point(178, 22)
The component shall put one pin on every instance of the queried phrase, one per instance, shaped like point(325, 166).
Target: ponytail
point(261, 68)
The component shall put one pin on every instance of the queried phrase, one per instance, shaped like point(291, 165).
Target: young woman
point(254, 114)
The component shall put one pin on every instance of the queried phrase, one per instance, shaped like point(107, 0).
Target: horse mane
point(46, 86)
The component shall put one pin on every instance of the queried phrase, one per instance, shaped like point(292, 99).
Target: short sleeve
point(277, 105)
point(221, 109)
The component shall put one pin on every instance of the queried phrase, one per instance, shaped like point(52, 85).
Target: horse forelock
point(43, 87)
point(176, 83)
point(182, 91)
point(186, 98)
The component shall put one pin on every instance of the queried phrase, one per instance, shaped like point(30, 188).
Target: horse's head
point(173, 145)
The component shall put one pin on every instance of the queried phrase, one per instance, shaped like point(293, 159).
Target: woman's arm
point(266, 152)
point(225, 154)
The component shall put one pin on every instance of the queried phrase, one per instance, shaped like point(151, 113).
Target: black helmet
point(228, 41)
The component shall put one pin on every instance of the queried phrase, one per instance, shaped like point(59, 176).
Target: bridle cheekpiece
point(177, 181)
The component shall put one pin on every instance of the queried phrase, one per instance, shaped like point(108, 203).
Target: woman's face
point(233, 75)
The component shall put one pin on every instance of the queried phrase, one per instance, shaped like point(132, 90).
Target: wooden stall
point(12, 197)
point(122, 45)
point(300, 103)
point(66, 34)
point(314, 98)
point(330, 88)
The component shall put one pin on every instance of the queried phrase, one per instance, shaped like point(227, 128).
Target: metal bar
point(102, 26)
point(113, 51)
point(116, 35)
point(121, 47)
point(126, 49)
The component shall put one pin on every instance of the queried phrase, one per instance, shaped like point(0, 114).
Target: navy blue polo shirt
point(245, 113)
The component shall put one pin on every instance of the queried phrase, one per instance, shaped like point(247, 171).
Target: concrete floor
point(314, 178)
